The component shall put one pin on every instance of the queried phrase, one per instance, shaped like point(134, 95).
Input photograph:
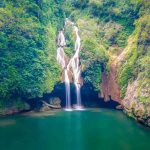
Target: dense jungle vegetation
point(28, 29)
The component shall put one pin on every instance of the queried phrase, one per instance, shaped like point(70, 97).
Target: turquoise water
point(93, 129)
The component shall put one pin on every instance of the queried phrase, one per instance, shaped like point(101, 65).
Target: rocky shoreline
point(133, 106)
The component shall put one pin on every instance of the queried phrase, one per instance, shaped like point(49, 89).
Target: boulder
point(119, 107)
point(45, 108)
point(55, 101)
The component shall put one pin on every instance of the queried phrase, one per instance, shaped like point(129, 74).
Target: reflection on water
point(7, 122)
point(39, 114)
point(67, 128)
point(96, 110)
point(78, 130)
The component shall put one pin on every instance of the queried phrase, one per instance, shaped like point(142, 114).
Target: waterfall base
point(78, 107)
point(68, 109)
point(75, 107)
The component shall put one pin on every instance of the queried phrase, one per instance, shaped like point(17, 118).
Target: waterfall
point(67, 85)
point(74, 63)
point(61, 56)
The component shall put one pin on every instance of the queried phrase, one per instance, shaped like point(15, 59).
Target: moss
point(129, 69)
point(70, 38)
point(12, 105)
point(144, 100)
point(92, 75)
point(126, 71)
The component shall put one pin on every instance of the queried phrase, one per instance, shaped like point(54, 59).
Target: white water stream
point(74, 63)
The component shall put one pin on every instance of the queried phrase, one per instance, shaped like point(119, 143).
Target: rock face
point(55, 101)
point(136, 102)
point(14, 109)
point(45, 108)
point(133, 105)
point(110, 87)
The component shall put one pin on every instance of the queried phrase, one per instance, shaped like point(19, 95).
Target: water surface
point(93, 129)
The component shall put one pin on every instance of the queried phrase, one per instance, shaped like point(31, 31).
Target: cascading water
point(61, 59)
point(67, 85)
point(74, 63)
point(61, 56)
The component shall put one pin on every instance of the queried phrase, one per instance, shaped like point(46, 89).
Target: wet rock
point(14, 109)
point(55, 101)
point(45, 108)
point(139, 110)
point(148, 122)
point(119, 107)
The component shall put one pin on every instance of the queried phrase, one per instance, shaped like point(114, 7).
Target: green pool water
point(93, 129)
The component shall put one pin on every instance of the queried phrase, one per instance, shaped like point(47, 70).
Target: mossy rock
point(55, 101)
point(139, 110)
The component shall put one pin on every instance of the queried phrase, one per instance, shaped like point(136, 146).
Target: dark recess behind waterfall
point(88, 95)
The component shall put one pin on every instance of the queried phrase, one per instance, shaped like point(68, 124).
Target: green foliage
point(28, 31)
point(27, 48)
point(93, 59)
point(80, 3)
point(123, 12)
point(92, 75)
point(120, 14)
point(69, 41)
point(137, 59)
point(127, 70)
